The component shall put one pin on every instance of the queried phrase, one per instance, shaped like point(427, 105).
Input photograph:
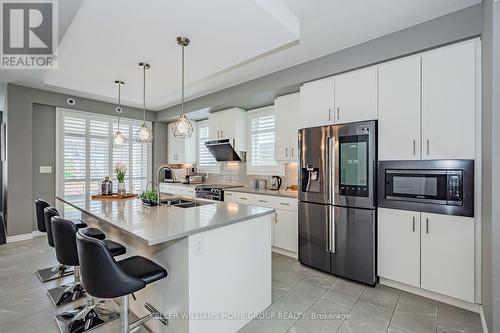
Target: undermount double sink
point(184, 203)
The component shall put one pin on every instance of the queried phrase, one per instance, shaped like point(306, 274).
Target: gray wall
point(44, 153)
point(26, 131)
point(491, 161)
point(450, 28)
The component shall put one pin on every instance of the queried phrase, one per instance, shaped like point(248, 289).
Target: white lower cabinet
point(286, 230)
point(435, 253)
point(448, 255)
point(399, 246)
point(285, 220)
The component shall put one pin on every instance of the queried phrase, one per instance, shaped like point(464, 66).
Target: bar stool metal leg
point(124, 327)
point(69, 292)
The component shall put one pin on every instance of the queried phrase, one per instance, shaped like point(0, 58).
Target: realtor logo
point(29, 34)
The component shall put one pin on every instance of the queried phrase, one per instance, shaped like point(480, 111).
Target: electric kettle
point(275, 183)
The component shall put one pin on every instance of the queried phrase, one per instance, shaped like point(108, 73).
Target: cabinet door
point(227, 124)
point(399, 246)
point(172, 145)
point(317, 103)
point(214, 120)
point(286, 234)
point(448, 102)
point(356, 96)
point(282, 126)
point(189, 147)
point(448, 255)
point(399, 112)
point(293, 116)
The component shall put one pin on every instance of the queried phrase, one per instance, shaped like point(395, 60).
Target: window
point(261, 135)
point(86, 153)
point(206, 161)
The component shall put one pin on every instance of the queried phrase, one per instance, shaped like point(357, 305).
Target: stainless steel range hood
point(223, 151)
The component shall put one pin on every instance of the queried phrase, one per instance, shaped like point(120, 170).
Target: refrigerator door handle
point(328, 228)
point(330, 165)
point(331, 234)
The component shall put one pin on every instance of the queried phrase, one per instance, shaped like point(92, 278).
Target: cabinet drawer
point(290, 204)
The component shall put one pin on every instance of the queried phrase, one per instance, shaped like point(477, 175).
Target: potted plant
point(120, 171)
point(149, 197)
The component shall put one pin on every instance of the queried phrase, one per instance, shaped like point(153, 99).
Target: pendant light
point(182, 126)
point(144, 134)
point(118, 138)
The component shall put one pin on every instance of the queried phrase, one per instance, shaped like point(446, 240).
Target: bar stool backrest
point(101, 275)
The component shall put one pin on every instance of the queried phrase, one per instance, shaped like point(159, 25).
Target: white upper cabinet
point(229, 124)
point(449, 102)
point(448, 255)
point(286, 110)
point(317, 103)
point(399, 246)
point(399, 110)
point(181, 150)
point(356, 96)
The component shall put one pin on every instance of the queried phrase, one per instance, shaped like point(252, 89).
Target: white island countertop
point(155, 225)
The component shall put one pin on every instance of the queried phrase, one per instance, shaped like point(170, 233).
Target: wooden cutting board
point(113, 196)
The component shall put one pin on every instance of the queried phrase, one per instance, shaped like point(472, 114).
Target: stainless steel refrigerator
point(337, 189)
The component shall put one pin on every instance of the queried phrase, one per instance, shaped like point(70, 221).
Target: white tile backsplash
point(235, 172)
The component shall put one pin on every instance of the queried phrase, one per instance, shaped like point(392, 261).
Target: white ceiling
point(233, 41)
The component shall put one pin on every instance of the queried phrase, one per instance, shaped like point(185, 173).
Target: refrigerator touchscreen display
point(354, 165)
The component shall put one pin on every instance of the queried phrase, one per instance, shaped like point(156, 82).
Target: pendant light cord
point(119, 103)
point(182, 105)
point(144, 92)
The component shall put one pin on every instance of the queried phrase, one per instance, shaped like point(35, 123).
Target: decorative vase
point(121, 189)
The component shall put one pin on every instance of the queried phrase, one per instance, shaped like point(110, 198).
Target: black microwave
point(434, 186)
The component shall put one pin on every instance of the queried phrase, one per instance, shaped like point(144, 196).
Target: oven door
point(428, 186)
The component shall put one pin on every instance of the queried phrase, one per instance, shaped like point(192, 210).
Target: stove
point(213, 191)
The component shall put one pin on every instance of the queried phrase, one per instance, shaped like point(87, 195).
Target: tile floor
point(304, 300)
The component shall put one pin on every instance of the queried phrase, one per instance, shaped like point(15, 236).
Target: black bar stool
point(91, 315)
point(55, 272)
point(104, 277)
point(63, 237)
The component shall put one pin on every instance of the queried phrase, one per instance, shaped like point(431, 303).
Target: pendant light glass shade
point(182, 126)
point(144, 134)
point(118, 138)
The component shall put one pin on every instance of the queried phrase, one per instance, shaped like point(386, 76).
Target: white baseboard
point(483, 320)
point(18, 238)
point(285, 252)
point(432, 295)
point(37, 233)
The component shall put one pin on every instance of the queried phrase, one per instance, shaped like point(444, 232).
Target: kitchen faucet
point(158, 175)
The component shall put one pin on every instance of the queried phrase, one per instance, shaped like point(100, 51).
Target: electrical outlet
point(198, 246)
point(45, 169)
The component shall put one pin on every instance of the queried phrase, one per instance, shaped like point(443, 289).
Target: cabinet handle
point(292, 152)
point(413, 223)
point(338, 113)
point(286, 152)
point(329, 114)
point(414, 147)
point(276, 217)
point(426, 225)
point(263, 201)
point(218, 134)
point(221, 134)
point(284, 204)
point(427, 146)
point(243, 198)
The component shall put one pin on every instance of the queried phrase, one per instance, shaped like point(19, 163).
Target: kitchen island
point(218, 258)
